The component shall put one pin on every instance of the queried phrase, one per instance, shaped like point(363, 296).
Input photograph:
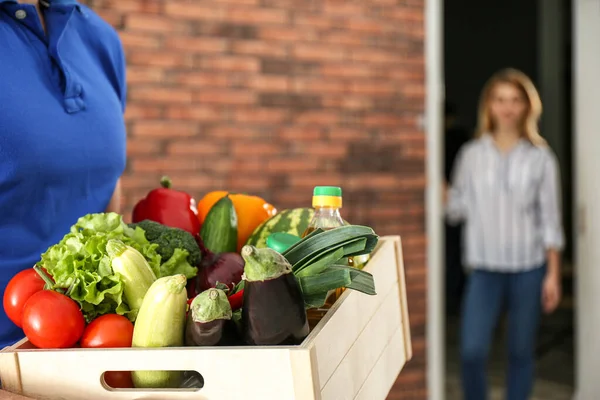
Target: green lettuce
point(80, 265)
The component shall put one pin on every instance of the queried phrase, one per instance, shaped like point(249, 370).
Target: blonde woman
point(505, 187)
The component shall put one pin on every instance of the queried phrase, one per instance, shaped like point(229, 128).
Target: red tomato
point(20, 288)
point(118, 379)
point(52, 320)
point(109, 330)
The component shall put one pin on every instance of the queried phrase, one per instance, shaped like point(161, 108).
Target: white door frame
point(586, 87)
point(434, 64)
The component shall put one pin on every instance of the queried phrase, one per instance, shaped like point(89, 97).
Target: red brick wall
point(274, 97)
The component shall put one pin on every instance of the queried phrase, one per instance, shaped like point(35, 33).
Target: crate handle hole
point(122, 380)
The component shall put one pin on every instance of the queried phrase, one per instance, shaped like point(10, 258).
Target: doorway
point(480, 38)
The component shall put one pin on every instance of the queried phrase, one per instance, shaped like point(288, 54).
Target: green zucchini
point(161, 323)
point(134, 271)
point(220, 228)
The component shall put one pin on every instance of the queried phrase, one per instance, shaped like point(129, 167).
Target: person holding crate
point(506, 189)
point(62, 130)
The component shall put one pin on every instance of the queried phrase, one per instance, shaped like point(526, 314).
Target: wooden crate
point(355, 352)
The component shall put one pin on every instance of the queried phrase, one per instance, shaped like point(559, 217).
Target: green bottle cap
point(281, 241)
point(328, 191)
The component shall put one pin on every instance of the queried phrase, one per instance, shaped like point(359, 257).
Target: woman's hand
point(551, 292)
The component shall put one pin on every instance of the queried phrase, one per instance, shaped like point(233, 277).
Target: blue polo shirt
point(62, 132)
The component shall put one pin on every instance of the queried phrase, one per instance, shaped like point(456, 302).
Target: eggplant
point(273, 311)
point(209, 312)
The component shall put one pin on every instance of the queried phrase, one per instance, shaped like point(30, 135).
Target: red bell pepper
point(236, 300)
point(169, 207)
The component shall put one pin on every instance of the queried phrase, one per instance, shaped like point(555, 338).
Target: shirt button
point(21, 14)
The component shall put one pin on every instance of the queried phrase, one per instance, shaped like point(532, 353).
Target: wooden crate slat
point(354, 369)
point(351, 316)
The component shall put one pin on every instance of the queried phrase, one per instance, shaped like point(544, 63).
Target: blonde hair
point(522, 82)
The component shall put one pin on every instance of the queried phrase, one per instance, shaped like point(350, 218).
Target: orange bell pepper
point(251, 211)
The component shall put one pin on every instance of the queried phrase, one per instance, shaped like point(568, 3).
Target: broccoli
point(168, 239)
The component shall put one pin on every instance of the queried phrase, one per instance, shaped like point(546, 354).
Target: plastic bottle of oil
point(327, 202)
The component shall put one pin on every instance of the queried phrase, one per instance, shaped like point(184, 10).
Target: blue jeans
point(486, 294)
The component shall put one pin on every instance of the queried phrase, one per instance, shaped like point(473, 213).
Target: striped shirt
point(510, 204)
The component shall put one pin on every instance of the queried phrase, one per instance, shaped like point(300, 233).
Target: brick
point(253, 184)
point(164, 129)
point(229, 63)
point(130, 6)
point(307, 134)
point(229, 97)
point(112, 17)
point(244, 2)
point(268, 83)
point(336, 7)
point(231, 14)
point(277, 33)
point(288, 100)
point(258, 16)
point(311, 85)
point(193, 113)
point(348, 70)
point(161, 95)
point(364, 25)
point(327, 150)
point(161, 165)
point(347, 135)
point(317, 117)
point(315, 52)
point(376, 56)
point(159, 59)
point(196, 44)
point(257, 115)
point(193, 11)
point(373, 88)
point(231, 133)
point(193, 148)
point(318, 21)
point(259, 48)
point(153, 23)
point(292, 165)
point(305, 183)
point(226, 30)
point(309, 5)
point(348, 102)
point(138, 111)
point(385, 120)
point(200, 79)
point(140, 147)
point(344, 38)
point(138, 40)
point(140, 75)
point(258, 149)
point(288, 67)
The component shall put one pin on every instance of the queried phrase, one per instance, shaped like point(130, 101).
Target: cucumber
point(161, 323)
point(220, 228)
